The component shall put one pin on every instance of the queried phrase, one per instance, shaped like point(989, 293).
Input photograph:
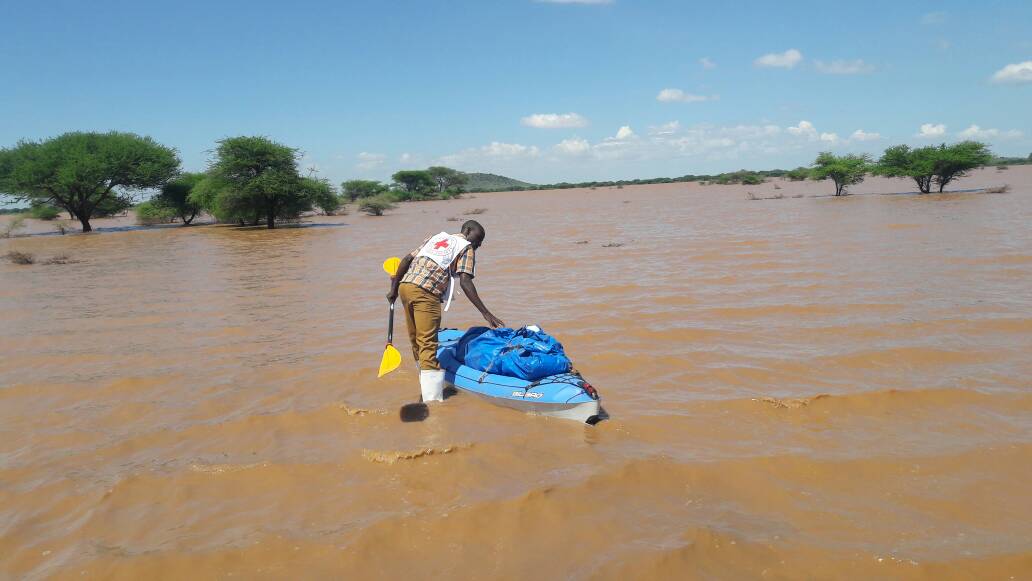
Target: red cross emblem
point(441, 244)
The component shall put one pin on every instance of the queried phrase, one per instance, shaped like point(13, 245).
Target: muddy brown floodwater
point(799, 388)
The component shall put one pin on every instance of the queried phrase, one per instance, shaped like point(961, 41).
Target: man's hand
point(403, 266)
point(470, 289)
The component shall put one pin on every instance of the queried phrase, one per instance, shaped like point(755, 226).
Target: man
point(425, 279)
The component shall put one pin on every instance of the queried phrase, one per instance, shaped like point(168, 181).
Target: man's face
point(476, 239)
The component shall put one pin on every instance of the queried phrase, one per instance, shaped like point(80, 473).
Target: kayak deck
point(565, 396)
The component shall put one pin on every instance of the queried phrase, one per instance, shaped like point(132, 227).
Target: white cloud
point(930, 131)
point(624, 132)
point(976, 132)
point(666, 128)
point(931, 18)
point(843, 67)
point(499, 149)
point(587, 2)
point(405, 158)
point(707, 63)
point(830, 137)
point(804, 129)
point(554, 120)
point(861, 135)
point(1014, 73)
point(573, 146)
point(784, 60)
point(679, 96)
point(368, 161)
point(494, 150)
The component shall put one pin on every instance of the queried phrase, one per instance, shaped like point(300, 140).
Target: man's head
point(474, 232)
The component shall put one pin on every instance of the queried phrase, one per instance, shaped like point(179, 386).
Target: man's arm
point(392, 295)
point(470, 290)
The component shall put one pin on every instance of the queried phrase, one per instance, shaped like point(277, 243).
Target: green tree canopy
point(355, 189)
point(175, 196)
point(255, 178)
point(953, 162)
point(376, 205)
point(938, 164)
point(321, 193)
point(447, 179)
point(414, 184)
point(85, 173)
point(798, 174)
point(844, 170)
point(899, 161)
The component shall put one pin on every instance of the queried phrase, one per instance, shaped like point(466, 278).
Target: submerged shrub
point(16, 222)
point(376, 205)
point(44, 212)
point(148, 213)
point(20, 257)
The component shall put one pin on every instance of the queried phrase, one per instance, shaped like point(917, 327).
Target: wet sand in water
point(799, 388)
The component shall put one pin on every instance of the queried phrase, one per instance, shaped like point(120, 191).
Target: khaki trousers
point(423, 316)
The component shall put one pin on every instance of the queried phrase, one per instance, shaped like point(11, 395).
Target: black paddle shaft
point(390, 325)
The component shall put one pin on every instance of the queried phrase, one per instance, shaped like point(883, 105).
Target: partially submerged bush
point(376, 205)
point(148, 213)
point(16, 222)
point(798, 174)
point(998, 189)
point(20, 257)
point(44, 212)
point(475, 211)
point(60, 259)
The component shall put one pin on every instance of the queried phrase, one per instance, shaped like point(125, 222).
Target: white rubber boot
point(431, 383)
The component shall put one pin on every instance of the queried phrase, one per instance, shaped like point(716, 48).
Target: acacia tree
point(257, 177)
point(321, 194)
point(85, 173)
point(447, 179)
point(938, 164)
point(355, 189)
point(953, 162)
point(844, 170)
point(413, 184)
point(175, 196)
point(899, 161)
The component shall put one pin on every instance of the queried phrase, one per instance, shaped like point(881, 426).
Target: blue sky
point(541, 91)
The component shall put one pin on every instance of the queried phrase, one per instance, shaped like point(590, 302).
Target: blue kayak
point(565, 396)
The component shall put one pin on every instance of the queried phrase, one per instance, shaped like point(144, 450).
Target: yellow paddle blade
point(390, 266)
point(391, 360)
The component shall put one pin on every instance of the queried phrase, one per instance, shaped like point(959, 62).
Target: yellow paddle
point(391, 358)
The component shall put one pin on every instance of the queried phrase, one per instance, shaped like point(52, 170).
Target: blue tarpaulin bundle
point(526, 353)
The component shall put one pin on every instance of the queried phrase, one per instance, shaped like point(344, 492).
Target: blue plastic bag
point(522, 353)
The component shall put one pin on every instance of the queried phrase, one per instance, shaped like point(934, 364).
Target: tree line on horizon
point(909, 161)
point(250, 181)
point(254, 180)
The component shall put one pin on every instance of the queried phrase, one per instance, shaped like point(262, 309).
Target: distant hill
point(489, 182)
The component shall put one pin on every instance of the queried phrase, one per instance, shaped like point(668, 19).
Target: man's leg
point(423, 315)
point(426, 311)
point(406, 294)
